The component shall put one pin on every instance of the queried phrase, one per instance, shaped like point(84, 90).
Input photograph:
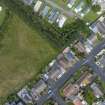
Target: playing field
point(23, 54)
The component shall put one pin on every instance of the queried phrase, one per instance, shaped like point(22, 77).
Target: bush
point(96, 8)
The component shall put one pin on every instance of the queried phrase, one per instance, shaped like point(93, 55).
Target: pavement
point(54, 89)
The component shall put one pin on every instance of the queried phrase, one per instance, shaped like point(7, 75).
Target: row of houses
point(52, 15)
point(85, 47)
point(31, 95)
point(63, 62)
point(15, 103)
point(99, 26)
point(74, 91)
point(81, 8)
point(99, 103)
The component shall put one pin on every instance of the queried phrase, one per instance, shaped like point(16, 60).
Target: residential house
point(90, 43)
point(20, 103)
point(86, 79)
point(71, 90)
point(27, 2)
point(61, 20)
point(53, 15)
point(80, 47)
point(71, 3)
point(97, 92)
point(25, 96)
point(45, 11)
point(67, 59)
point(78, 101)
point(79, 7)
point(37, 6)
point(99, 103)
point(101, 62)
point(14, 103)
point(10, 103)
point(99, 26)
point(85, 11)
point(55, 72)
point(37, 89)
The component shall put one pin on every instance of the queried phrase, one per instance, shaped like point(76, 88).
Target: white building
point(61, 20)
point(37, 6)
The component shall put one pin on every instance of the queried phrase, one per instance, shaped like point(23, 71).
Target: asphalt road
point(56, 97)
point(99, 71)
point(87, 61)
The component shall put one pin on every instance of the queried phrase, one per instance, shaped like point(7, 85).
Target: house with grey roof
point(37, 6)
point(25, 95)
point(20, 103)
point(45, 11)
point(99, 26)
point(37, 89)
point(71, 3)
point(14, 103)
point(10, 103)
point(91, 42)
point(96, 90)
point(67, 59)
point(99, 103)
point(27, 2)
point(55, 72)
point(79, 7)
point(101, 62)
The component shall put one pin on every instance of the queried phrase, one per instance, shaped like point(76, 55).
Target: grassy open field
point(23, 54)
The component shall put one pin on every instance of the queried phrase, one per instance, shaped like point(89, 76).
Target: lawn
point(2, 14)
point(61, 2)
point(23, 54)
point(91, 16)
point(89, 97)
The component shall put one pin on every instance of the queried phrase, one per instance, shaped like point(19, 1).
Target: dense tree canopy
point(96, 8)
point(61, 37)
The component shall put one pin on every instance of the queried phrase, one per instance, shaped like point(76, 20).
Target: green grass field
point(2, 14)
point(23, 54)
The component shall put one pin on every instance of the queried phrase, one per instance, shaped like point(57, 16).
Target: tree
point(89, 2)
point(96, 8)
